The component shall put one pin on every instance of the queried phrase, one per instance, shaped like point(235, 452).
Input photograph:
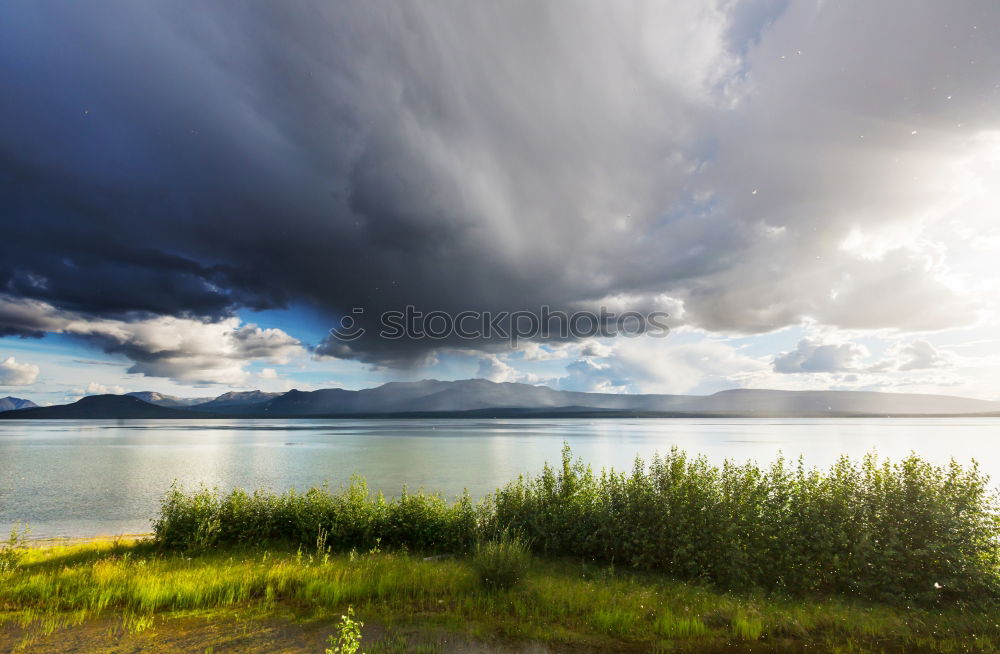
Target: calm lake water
point(84, 478)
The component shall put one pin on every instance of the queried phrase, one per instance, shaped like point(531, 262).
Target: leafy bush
point(193, 521)
point(910, 531)
point(351, 518)
point(501, 563)
point(14, 549)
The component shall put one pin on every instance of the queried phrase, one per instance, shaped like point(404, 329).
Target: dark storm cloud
point(191, 159)
point(192, 162)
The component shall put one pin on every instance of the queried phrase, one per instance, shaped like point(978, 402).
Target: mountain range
point(12, 403)
point(483, 398)
point(107, 407)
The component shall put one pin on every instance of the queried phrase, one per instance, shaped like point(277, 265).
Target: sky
point(194, 195)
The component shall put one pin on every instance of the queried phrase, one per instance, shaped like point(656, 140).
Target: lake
point(85, 478)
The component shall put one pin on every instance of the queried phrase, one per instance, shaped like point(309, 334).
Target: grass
point(557, 601)
point(501, 563)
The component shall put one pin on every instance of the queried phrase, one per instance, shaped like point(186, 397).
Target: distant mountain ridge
point(100, 407)
point(162, 399)
point(15, 403)
point(480, 394)
point(753, 402)
point(483, 398)
point(231, 399)
point(236, 400)
point(465, 395)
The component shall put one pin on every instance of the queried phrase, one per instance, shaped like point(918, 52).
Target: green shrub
point(905, 531)
point(192, 521)
point(13, 550)
point(350, 518)
point(908, 531)
point(501, 563)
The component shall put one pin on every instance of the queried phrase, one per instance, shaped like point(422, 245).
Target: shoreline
point(58, 541)
point(481, 414)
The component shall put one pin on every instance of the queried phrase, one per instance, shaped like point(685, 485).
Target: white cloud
point(95, 388)
point(497, 369)
point(13, 373)
point(591, 376)
point(810, 356)
point(595, 349)
point(182, 349)
point(492, 368)
point(534, 351)
point(917, 355)
point(654, 365)
point(920, 355)
point(193, 351)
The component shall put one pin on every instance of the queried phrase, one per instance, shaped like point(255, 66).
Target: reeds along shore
point(905, 531)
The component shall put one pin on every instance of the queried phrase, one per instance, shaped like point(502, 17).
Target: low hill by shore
point(100, 407)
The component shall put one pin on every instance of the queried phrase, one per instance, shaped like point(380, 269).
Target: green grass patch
point(558, 600)
point(501, 563)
